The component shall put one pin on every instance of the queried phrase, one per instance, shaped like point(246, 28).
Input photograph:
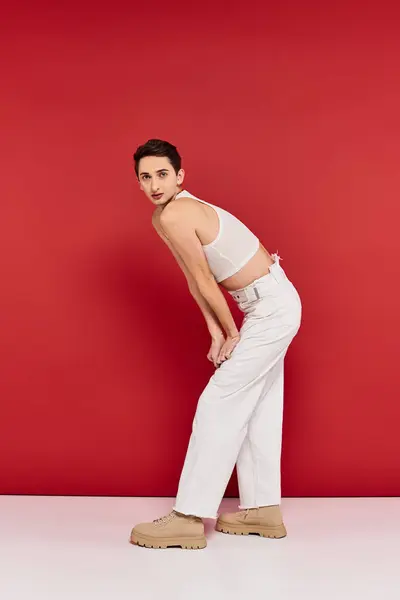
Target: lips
point(156, 196)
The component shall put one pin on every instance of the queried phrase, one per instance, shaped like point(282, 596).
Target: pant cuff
point(199, 514)
point(243, 506)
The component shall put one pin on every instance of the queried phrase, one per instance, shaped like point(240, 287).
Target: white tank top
point(234, 245)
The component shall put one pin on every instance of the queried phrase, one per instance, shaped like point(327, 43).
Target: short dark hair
point(158, 148)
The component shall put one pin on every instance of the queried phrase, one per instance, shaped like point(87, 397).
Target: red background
point(286, 115)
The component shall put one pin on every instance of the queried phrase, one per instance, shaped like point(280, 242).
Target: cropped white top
point(234, 245)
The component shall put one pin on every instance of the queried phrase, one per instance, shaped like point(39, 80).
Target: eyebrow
point(145, 172)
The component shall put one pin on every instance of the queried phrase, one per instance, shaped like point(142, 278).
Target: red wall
point(289, 117)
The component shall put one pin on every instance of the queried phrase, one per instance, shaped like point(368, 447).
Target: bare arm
point(213, 325)
point(178, 224)
point(212, 294)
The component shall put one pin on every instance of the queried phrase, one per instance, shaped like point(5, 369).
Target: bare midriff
point(256, 267)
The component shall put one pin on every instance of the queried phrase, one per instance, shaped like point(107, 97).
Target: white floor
point(57, 547)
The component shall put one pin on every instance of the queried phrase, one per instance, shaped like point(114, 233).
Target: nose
point(154, 186)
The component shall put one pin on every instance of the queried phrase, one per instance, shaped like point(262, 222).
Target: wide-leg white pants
point(239, 413)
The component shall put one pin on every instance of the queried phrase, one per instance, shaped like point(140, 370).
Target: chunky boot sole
point(196, 543)
point(278, 531)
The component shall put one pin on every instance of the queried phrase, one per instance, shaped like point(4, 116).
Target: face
point(157, 176)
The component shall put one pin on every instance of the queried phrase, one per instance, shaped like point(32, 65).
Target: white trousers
point(239, 414)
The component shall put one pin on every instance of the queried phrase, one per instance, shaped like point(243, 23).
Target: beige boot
point(174, 529)
point(265, 520)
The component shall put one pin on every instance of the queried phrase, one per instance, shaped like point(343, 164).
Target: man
point(239, 414)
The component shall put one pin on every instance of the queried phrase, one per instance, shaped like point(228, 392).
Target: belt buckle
point(252, 293)
point(248, 295)
point(256, 293)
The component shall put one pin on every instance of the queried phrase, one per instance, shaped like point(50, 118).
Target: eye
point(145, 176)
point(163, 173)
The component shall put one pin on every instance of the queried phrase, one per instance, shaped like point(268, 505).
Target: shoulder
point(180, 209)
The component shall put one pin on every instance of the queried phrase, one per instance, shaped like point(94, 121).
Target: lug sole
point(278, 531)
point(196, 543)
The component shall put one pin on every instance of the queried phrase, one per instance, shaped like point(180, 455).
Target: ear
point(180, 177)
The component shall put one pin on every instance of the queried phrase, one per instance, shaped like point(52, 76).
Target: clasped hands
point(222, 347)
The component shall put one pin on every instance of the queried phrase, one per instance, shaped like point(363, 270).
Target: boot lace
point(245, 513)
point(164, 520)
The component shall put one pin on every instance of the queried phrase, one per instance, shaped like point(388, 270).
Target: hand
point(227, 348)
point(218, 339)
